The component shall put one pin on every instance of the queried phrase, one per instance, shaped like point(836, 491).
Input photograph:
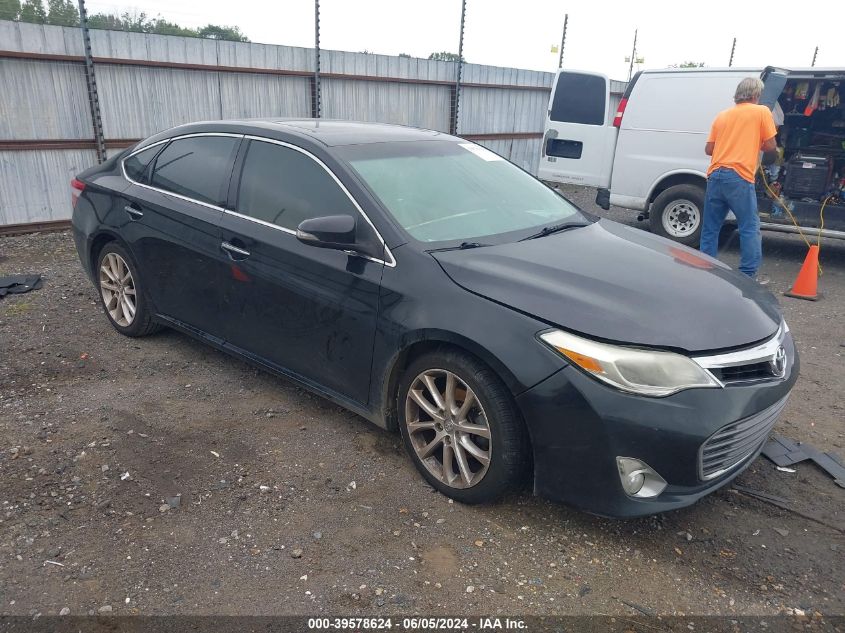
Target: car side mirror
point(332, 231)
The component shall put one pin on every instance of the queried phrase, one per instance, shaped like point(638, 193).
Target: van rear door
point(579, 138)
point(774, 80)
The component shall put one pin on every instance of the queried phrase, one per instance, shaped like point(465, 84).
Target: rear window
point(197, 167)
point(136, 165)
point(579, 98)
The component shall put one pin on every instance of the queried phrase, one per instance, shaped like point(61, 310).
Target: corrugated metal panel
point(617, 86)
point(385, 66)
point(137, 101)
point(406, 104)
point(40, 38)
point(249, 96)
point(124, 45)
point(522, 152)
point(35, 186)
point(491, 110)
point(43, 100)
point(476, 73)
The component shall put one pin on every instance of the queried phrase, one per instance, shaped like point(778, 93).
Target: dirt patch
point(100, 435)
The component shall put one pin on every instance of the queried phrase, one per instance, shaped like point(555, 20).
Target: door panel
point(578, 142)
point(308, 310)
point(177, 245)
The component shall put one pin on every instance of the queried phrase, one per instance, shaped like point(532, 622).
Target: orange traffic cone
point(805, 286)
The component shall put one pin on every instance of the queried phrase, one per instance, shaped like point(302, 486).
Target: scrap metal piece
point(785, 452)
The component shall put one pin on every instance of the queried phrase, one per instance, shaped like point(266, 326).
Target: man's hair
point(749, 89)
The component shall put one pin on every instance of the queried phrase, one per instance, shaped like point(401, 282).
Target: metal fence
point(148, 82)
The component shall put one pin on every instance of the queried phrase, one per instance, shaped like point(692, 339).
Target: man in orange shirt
point(735, 141)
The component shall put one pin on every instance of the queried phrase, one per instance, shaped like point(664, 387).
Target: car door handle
point(234, 251)
point(134, 212)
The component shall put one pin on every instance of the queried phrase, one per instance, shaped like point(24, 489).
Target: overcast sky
point(520, 33)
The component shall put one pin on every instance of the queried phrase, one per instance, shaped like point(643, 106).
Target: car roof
point(329, 132)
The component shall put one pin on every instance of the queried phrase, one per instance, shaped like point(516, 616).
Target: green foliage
point(33, 11)
point(404, 55)
point(65, 13)
point(230, 33)
point(444, 56)
point(62, 13)
point(10, 9)
point(688, 65)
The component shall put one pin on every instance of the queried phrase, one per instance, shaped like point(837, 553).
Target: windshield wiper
point(554, 228)
point(461, 247)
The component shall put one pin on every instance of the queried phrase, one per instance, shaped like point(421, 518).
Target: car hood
point(616, 283)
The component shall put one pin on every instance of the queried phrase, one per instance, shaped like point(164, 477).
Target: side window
point(284, 187)
point(196, 167)
point(136, 165)
point(579, 98)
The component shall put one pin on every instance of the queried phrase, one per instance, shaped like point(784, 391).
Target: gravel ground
point(158, 476)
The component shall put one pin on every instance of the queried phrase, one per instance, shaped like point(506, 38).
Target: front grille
point(734, 443)
point(745, 373)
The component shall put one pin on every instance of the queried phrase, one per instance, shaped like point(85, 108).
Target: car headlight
point(642, 371)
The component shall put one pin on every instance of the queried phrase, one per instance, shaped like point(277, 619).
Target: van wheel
point(677, 214)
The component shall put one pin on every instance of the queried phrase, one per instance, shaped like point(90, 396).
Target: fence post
point(563, 40)
point(456, 111)
point(315, 103)
point(93, 98)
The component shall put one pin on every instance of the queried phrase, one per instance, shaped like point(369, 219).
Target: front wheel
point(677, 213)
point(461, 427)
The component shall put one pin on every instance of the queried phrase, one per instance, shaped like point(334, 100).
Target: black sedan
point(432, 287)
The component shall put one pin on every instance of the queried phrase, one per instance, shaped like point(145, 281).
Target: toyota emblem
point(778, 363)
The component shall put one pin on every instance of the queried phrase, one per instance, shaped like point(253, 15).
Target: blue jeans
point(728, 190)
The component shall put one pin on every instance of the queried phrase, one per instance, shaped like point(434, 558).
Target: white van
point(647, 154)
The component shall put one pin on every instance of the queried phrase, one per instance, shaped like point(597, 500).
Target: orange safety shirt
point(737, 135)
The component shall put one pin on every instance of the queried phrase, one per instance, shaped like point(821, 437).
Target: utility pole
point(815, 54)
point(315, 109)
point(460, 69)
point(633, 57)
point(93, 98)
point(733, 49)
point(563, 41)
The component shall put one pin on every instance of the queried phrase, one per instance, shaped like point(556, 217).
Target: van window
point(197, 167)
point(579, 98)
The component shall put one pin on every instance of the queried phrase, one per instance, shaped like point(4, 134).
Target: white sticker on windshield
point(481, 152)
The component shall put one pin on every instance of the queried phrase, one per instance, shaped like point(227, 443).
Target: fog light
point(638, 478)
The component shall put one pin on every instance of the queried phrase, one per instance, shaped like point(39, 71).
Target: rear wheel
point(122, 294)
point(461, 427)
point(677, 213)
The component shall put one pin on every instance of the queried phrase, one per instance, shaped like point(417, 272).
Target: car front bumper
point(579, 426)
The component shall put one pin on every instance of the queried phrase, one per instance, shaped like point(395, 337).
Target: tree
point(443, 56)
point(10, 9)
point(163, 27)
point(62, 13)
point(404, 55)
point(33, 11)
point(688, 65)
point(215, 32)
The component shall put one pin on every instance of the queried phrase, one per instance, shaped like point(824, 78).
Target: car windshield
point(444, 191)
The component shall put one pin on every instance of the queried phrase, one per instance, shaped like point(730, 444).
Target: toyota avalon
point(434, 288)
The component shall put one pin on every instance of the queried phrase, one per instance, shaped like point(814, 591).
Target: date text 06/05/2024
point(417, 624)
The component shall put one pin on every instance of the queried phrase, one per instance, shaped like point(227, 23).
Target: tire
point(677, 214)
point(490, 405)
point(117, 281)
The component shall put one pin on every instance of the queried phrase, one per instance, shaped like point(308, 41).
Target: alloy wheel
point(448, 428)
point(681, 218)
point(118, 289)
